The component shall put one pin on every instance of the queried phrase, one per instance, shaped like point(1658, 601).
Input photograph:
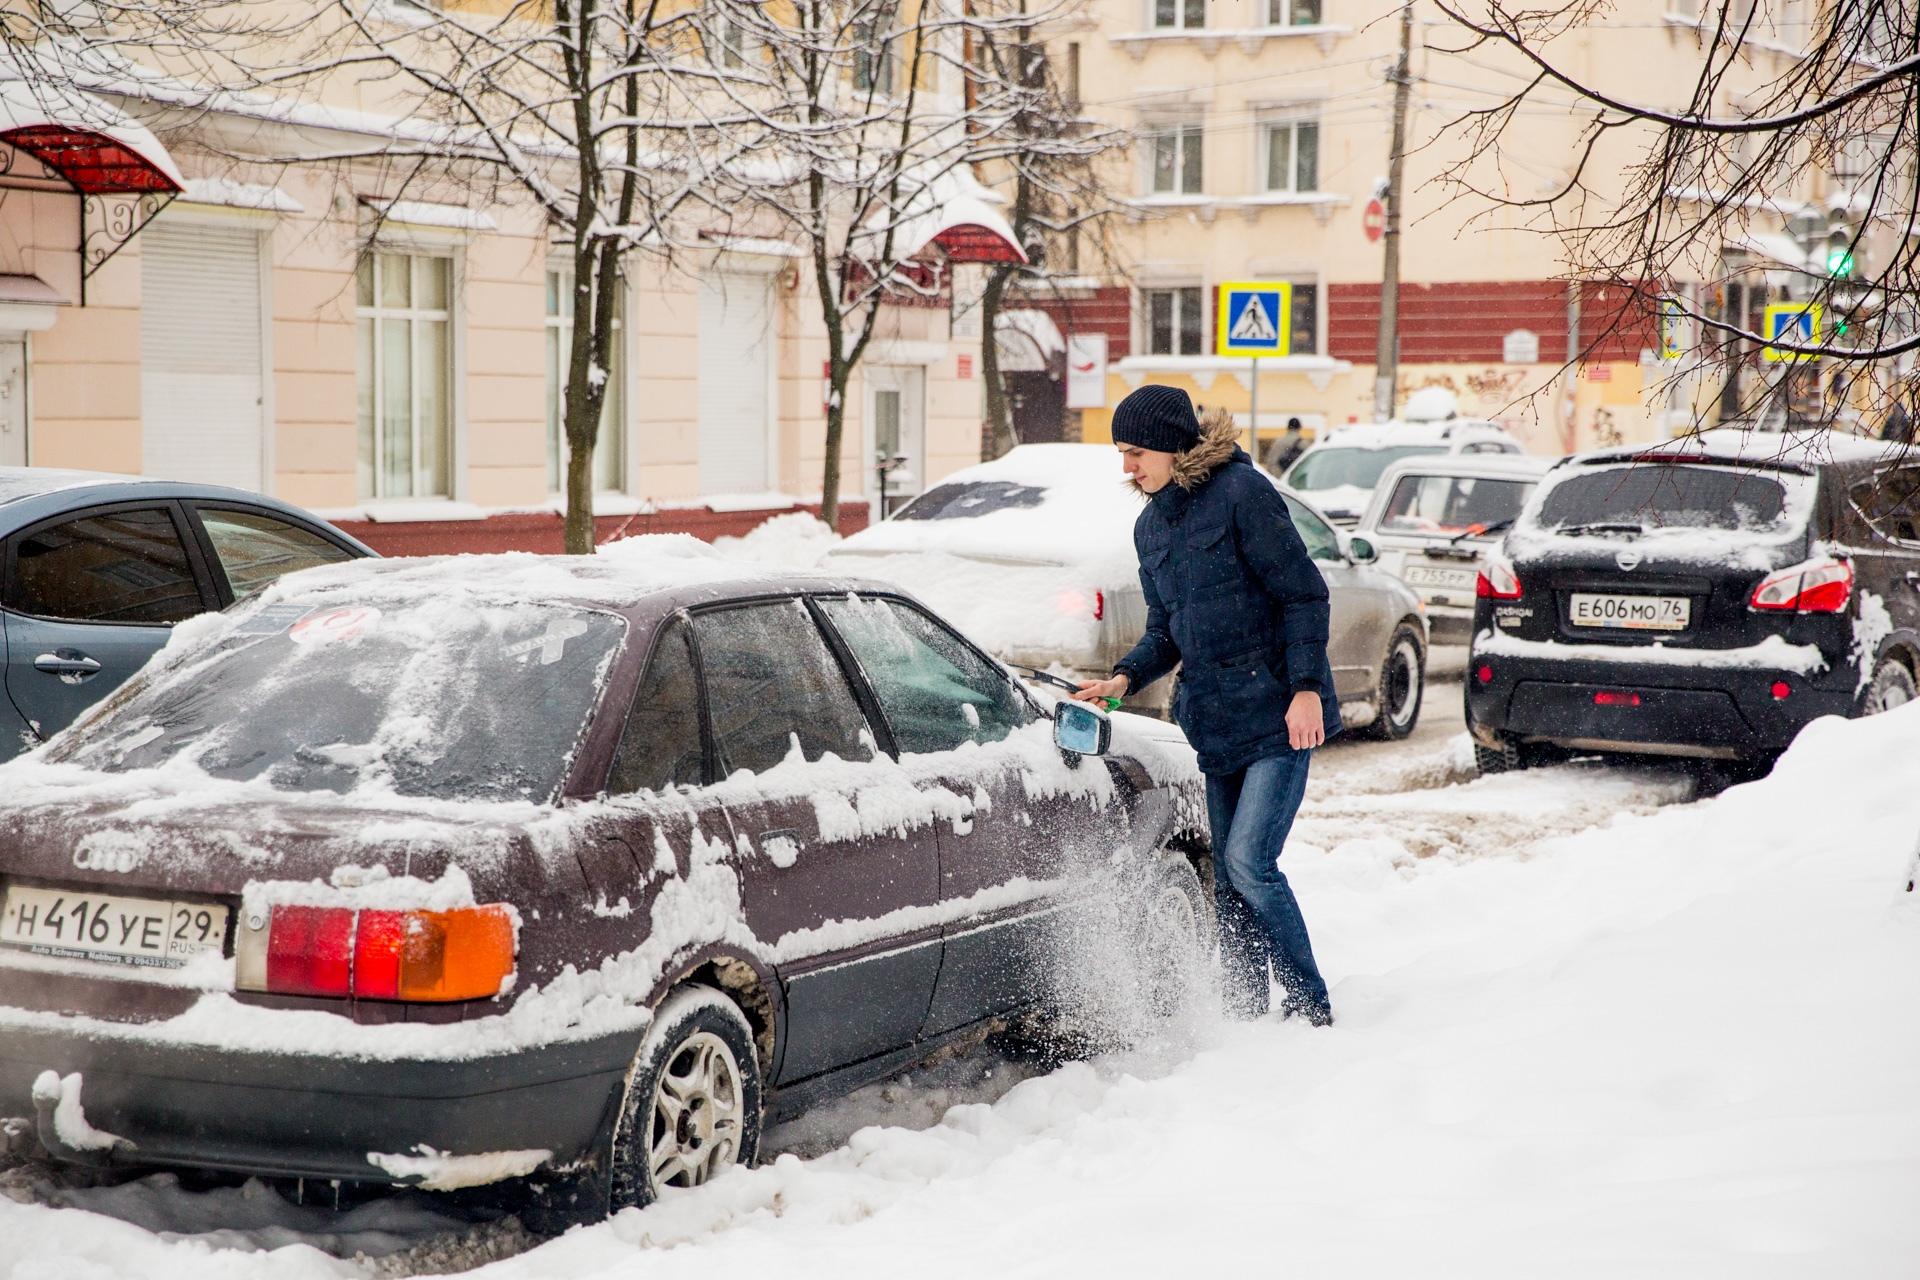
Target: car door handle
point(70, 665)
point(781, 845)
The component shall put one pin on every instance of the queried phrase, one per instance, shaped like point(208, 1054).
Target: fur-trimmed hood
point(1219, 437)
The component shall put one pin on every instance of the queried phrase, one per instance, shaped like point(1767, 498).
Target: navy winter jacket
point(1236, 601)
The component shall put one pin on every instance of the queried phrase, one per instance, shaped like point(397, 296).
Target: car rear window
point(1335, 467)
point(1664, 495)
point(456, 701)
point(967, 499)
point(1450, 505)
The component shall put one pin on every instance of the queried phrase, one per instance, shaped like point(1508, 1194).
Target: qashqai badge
point(1627, 560)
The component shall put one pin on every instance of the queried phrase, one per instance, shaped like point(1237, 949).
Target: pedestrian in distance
point(1290, 444)
point(1898, 428)
point(1234, 599)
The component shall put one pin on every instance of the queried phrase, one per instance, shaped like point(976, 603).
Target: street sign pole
point(1253, 415)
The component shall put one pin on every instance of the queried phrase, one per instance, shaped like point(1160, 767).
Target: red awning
point(97, 149)
point(955, 212)
point(972, 242)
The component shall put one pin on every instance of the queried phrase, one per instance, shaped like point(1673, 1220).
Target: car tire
point(1509, 755)
point(1177, 933)
point(1892, 685)
point(1402, 686)
point(692, 1105)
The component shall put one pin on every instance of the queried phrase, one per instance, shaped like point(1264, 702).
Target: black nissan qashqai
point(1704, 597)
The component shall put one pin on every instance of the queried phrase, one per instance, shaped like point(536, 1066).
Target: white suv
point(1339, 472)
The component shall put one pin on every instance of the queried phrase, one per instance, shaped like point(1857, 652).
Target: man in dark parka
point(1234, 599)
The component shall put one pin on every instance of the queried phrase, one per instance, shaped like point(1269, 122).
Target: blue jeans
point(1250, 813)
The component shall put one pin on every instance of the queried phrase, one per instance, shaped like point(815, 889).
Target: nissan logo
point(1627, 560)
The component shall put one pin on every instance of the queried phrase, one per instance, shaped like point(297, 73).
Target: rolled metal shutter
point(201, 393)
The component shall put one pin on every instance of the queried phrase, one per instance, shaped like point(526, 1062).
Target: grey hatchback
point(95, 570)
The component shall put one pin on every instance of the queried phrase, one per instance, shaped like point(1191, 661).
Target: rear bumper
point(1653, 709)
point(297, 1115)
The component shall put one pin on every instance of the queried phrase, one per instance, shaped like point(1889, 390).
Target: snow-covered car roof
point(1791, 451)
point(621, 574)
point(31, 482)
point(1387, 435)
point(1039, 504)
point(1515, 466)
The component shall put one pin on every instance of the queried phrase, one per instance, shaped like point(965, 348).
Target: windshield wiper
point(1480, 531)
point(1602, 526)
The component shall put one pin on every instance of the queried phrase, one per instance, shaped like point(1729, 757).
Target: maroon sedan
point(444, 873)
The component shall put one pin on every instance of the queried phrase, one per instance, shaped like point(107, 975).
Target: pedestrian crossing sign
point(1795, 322)
point(1254, 318)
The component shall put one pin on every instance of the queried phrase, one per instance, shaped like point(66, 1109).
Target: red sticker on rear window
point(331, 625)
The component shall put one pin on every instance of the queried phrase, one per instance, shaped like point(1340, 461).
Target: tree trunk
point(837, 376)
point(999, 411)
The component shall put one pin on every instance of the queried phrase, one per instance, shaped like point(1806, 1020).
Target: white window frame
point(1188, 137)
point(876, 44)
point(1145, 313)
point(1292, 122)
point(1179, 22)
point(413, 316)
point(615, 418)
point(1280, 13)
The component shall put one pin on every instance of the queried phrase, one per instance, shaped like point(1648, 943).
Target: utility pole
point(1387, 353)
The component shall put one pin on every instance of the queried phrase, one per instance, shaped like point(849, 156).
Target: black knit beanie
point(1158, 418)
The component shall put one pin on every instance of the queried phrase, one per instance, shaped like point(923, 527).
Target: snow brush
point(1047, 677)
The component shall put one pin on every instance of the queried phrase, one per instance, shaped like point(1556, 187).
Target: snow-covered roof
point(953, 210)
point(1036, 327)
point(95, 147)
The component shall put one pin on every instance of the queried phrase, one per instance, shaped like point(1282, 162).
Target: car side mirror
point(1081, 730)
point(1361, 550)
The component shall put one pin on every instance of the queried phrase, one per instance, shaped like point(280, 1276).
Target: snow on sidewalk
point(1679, 1043)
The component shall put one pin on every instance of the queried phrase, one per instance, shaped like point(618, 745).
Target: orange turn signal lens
point(462, 954)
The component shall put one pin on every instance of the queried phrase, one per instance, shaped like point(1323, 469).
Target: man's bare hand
point(1095, 690)
point(1305, 729)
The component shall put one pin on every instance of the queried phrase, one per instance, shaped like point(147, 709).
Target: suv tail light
point(1076, 603)
point(465, 953)
point(1497, 579)
point(1821, 585)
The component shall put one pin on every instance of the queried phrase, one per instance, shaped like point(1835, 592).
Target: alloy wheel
point(697, 1120)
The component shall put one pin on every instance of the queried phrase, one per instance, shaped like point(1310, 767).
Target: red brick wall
point(544, 531)
point(1108, 310)
point(1465, 322)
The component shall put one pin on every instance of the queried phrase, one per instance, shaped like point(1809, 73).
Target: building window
point(1176, 14)
point(1304, 338)
point(609, 448)
point(1174, 321)
point(1176, 161)
point(1293, 13)
point(727, 42)
point(1293, 156)
point(406, 376)
point(873, 52)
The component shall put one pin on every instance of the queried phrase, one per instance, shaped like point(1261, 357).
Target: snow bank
point(1671, 1045)
point(796, 540)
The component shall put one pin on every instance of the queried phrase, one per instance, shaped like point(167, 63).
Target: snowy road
point(1586, 1029)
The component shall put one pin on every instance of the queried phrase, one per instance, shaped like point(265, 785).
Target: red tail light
point(465, 953)
point(1615, 698)
point(1497, 580)
point(1073, 601)
point(1821, 585)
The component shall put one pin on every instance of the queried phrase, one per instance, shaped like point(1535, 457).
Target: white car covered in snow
point(1340, 471)
point(1032, 556)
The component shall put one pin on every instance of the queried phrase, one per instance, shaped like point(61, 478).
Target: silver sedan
point(1032, 556)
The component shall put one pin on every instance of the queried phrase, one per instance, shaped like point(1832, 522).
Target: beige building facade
point(319, 333)
point(1263, 133)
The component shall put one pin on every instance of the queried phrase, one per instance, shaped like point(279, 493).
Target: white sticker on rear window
point(272, 620)
point(549, 647)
